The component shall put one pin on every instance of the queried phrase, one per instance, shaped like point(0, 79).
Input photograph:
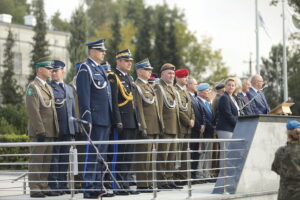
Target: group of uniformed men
point(116, 108)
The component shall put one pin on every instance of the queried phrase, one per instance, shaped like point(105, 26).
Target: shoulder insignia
point(30, 91)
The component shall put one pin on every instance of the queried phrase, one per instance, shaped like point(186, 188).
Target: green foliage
point(40, 45)
point(13, 150)
point(12, 93)
point(17, 8)
point(58, 23)
point(13, 120)
point(76, 47)
point(273, 75)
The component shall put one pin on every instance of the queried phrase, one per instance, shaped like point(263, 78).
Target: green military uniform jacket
point(41, 110)
point(287, 165)
point(147, 106)
point(168, 107)
point(186, 112)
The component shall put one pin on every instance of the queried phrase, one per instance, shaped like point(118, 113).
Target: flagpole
point(257, 38)
point(285, 83)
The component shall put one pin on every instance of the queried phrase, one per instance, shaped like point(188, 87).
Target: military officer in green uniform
point(169, 112)
point(287, 164)
point(42, 127)
point(151, 124)
point(187, 121)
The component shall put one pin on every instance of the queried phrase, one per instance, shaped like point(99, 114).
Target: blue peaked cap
point(143, 64)
point(292, 124)
point(202, 86)
point(98, 44)
point(57, 64)
point(106, 66)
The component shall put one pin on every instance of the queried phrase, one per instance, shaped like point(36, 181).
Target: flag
point(262, 24)
point(293, 21)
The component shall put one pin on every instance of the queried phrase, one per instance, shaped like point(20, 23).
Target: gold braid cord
point(126, 96)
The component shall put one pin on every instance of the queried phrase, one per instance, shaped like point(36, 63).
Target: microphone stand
point(100, 160)
point(249, 102)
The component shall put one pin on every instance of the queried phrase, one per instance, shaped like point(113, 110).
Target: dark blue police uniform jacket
point(65, 108)
point(228, 114)
point(259, 105)
point(94, 94)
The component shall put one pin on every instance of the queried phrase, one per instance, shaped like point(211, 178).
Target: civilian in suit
point(65, 109)
point(203, 92)
point(242, 98)
point(198, 129)
point(259, 105)
point(228, 110)
point(95, 105)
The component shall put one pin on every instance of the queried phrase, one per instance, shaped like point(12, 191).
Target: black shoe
point(181, 183)
point(173, 186)
point(102, 194)
point(145, 189)
point(37, 195)
point(164, 187)
point(132, 183)
point(90, 196)
point(133, 192)
point(51, 193)
point(121, 193)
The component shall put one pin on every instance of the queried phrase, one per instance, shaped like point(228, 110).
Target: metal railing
point(75, 165)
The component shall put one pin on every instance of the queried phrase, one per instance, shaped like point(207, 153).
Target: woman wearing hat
point(287, 163)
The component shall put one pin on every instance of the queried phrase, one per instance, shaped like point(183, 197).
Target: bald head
point(257, 81)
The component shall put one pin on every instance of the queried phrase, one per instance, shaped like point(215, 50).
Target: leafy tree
point(17, 8)
point(12, 93)
point(58, 23)
point(76, 47)
point(114, 43)
point(40, 45)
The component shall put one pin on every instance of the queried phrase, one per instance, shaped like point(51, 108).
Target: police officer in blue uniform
point(65, 109)
point(124, 118)
point(94, 98)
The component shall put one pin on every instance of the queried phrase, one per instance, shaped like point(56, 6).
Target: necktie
point(207, 106)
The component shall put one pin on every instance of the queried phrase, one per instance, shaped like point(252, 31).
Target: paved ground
point(14, 191)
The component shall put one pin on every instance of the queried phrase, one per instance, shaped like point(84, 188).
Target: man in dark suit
point(94, 98)
point(65, 109)
point(243, 96)
point(198, 129)
point(203, 91)
point(125, 120)
point(259, 105)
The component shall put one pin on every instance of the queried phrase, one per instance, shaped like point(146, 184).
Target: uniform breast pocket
point(98, 79)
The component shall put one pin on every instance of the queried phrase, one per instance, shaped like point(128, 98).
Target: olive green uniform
point(287, 165)
point(186, 114)
point(42, 118)
point(169, 111)
point(147, 106)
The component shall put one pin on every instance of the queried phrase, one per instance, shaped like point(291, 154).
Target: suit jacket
point(259, 105)
point(228, 114)
point(170, 116)
point(65, 108)
point(199, 114)
point(215, 106)
point(148, 112)
point(242, 101)
point(186, 112)
point(209, 120)
point(41, 111)
point(94, 94)
point(126, 113)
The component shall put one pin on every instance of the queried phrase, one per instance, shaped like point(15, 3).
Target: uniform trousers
point(181, 157)
point(144, 179)
point(39, 172)
point(93, 167)
point(58, 171)
point(168, 155)
point(125, 155)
